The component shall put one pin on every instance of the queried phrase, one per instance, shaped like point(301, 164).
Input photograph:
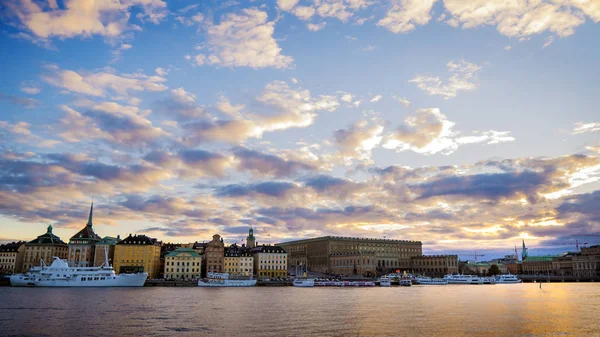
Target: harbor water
point(557, 309)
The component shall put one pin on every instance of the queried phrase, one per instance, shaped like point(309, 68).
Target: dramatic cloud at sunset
point(468, 125)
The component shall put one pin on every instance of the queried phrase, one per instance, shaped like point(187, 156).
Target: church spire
point(89, 223)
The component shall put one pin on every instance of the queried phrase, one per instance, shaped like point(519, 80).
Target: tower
point(524, 252)
point(250, 240)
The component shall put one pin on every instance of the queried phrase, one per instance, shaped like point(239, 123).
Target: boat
point(430, 281)
point(507, 279)
point(343, 283)
point(223, 280)
point(463, 279)
point(489, 280)
point(405, 282)
point(59, 274)
point(385, 281)
point(304, 282)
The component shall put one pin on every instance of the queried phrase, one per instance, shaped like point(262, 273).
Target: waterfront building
point(354, 263)
point(214, 255)
point(182, 264)
point(136, 254)
point(586, 265)
point(592, 250)
point(44, 247)
point(106, 245)
point(317, 253)
point(435, 265)
point(11, 257)
point(538, 265)
point(515, 268)
point(238, 261)
point(82, 245)
point(270, 261)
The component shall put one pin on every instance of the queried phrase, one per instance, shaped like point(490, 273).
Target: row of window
point(183, 263)
point(186, 270)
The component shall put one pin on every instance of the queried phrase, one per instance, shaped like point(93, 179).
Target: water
point(558, 309)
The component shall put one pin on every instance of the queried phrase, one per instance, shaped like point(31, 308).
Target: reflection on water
point(558, 309)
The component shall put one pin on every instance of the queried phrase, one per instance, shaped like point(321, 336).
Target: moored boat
point(405, 282)
point(430, 281)
point(385, 281)
point(223, 280)
point(304, 282)
point(59, 274)
point(507, 279)
point(463, 279)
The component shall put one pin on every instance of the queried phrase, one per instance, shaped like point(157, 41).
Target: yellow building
point(11, 257)
point(440, 265)
point(44, 247)
point(270, 261)
point(182, 264)
point(137, 253)
point(238, 261)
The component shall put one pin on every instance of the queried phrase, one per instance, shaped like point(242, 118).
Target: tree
point(494, 270)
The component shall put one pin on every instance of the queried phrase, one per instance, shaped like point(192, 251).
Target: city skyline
point(467, 126)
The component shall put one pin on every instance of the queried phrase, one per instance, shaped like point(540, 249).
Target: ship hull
point(228, 283)
point(122, 280)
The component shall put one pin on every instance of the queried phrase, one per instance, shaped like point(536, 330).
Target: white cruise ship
point(507, 279)
point(59, 274)
point(464, 279)
point(385, 281)
point(223, 280)
point(430, 281)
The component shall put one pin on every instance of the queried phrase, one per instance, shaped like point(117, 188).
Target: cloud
point(377, 98)
point(340, 9)
point(84, 18)
point(304, 12)
point(116, 53)
point(26, 102)
point(402, 100)
point(270, 189)
point(580, 128)
point(30, 88)
point(104, 83)
point(462, 78)
point(548, 41)
point(522, 19)
point(358, 141)
point(270, 165)
point(429, 131)
point(404, 15)
point(187, 164)
point(20, 128)
point(286, 5)
point(316, 27)
point(243, 40)
point(125, 125)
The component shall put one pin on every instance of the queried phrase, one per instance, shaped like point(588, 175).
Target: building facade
point(317, 253)
point(137, 253)
point(592, 250)
point(11, 257)
point(270, 261)
point(82, 245)
point(346, 264)
point(103, 247)
point(44, 247)
point(586, 265)
point(538, 265)
point(214, 255)
point(238, 261)
point(435, 265)
point(182, 264)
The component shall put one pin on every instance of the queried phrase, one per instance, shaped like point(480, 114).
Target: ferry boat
point(489, 280)
point(405, 282)
point(304, 282)
point(385, 281)
point(430, 281)
point(223, 280)
point(463, 279)
point(508, 278)
point(59, 274)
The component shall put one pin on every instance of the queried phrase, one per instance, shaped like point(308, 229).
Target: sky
point(467, 125)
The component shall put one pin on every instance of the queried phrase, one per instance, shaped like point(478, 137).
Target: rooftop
point(348, 238)
point(179, 251)
point(137, 240)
